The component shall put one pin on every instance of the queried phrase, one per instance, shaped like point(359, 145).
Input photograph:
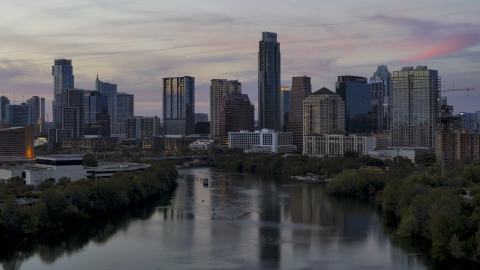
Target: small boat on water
point(205, 181)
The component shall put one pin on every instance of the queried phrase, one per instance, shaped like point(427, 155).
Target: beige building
point(323, 112)
point(336, 144)
point(458, 146)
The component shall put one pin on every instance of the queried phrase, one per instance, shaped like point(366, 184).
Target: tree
point(89, 160)
point(426, 159)
point(63, 181)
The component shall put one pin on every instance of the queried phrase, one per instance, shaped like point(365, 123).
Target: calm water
point(240, 221)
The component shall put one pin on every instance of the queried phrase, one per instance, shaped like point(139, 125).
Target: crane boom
point(457, 88)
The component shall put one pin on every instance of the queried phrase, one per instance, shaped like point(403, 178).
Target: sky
point(137, 43)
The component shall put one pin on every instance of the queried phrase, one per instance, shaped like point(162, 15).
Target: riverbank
point(65, 202)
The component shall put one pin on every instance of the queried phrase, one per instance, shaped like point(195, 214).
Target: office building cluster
point(400, 110)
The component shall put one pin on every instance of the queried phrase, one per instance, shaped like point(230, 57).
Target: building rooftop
point(323, 91)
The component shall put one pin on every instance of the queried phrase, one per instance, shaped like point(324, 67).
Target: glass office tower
point(97, 120)
point(179, 105)
point(416, 107)
point(269, 83)
point(356, 93)
point(285, 97)
point(63, 78)
point(381, 100)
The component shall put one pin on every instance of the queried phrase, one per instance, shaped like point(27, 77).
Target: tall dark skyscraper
point(125, 109)
point(381, 100)
point(285, 97)
point(19, 115)
point(63, 78)
point(236, 114)
point(96, 119)
point(416, 107)
point(217, 89)
point(72, 111)
point(179, 105)
point(109, 90)
point(269, 83)
point(357, 94)
point(301, 89)
point(3, 105)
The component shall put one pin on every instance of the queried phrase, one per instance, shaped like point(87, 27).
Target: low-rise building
point(17, 142)
point(458, 146)
point(200, 145)
point(89, 142)
point(337, 144)
point(265, 140)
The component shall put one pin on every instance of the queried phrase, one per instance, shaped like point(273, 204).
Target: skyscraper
point(139, 127)
point(416, 107)
point(201, 117)
point(63, 78)
point(38, 111)
point(381, 100)
point(269, 82)
point(96, 119)
point(324, 112)
point(3, 106)
point(285, 97)
point(72, 111)
point(19, 115)
point(217, 89)
point(109, 90)
point(236, 113)
point(357, 94)
point(179, 105)
point(125, 110)
point(301, 89)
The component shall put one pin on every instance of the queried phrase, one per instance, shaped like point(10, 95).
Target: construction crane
point(456, 88)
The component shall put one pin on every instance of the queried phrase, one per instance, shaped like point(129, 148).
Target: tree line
point(64, 201)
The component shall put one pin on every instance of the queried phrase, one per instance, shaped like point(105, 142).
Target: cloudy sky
point(137, 43)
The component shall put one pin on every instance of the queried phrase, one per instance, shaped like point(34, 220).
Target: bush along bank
point(67, 201)
point(443, 209)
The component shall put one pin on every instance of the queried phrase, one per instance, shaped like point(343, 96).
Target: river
point(238, 221)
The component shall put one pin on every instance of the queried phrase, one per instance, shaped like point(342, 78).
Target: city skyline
point(320, 40)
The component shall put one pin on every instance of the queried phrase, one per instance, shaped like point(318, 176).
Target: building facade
point(97, 120)
point(381, 100)
point(19, 115)
point(285, 97)
point(17, 142)
point(63, 78)
point(72, 111)
point(38, 111)
point(201, 117)
point(109, 90)
point(3, 109)
point(139, 127)
point(236, 113)
point(125, 110)
point(265, 141)
point(301, 89)
point(217, 89)
point(323, 112)
point(416, 107)
point(457, 146)
point(179, 105)
point(269, 71)
point(356, 93)
point(337, 144)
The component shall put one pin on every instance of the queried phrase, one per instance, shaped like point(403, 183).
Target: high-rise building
point(201, 117)
point(323, 112)
point(449, 123)
point(356, 93)
point(285, 97)
point(71, 108)
point(109, 90)
point(125, 110)
point(381, 100)
point(217, 89)
point(139, 127)
point(236, 113)
point(269, 72)
point(63, 78)
point(38, 111)
point(301, 89)
point(467, 121)
point(179, 105)
point(19, 115)
point(3, 107)
point(96, 119)
point(416, 107)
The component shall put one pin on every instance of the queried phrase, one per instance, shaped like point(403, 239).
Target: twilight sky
point(137, 43)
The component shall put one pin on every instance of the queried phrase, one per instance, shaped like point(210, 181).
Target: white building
point(200, 145)
point(64, 165)
point(336, 144)
point(265, 140)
